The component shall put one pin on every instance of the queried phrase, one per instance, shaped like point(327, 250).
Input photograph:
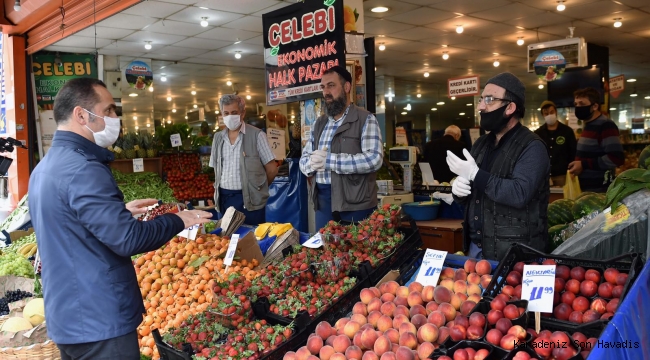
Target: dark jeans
point(123, 347)
point(324, 211)
point(235, 198)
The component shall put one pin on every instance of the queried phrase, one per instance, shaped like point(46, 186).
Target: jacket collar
point(80, 144)
point(505, 137)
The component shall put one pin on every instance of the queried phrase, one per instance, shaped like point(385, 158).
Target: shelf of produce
point(150, 164)
point(442, 234)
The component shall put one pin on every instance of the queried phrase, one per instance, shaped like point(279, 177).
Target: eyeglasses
point(490, 99)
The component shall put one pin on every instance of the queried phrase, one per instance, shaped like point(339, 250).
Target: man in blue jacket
point(87, 235)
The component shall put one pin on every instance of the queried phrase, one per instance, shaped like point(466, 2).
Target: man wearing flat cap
point(343, 154)
point(504, 182)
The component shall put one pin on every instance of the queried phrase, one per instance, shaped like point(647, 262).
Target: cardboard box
point(15, 235)
point(247, 247)
point(391, 276)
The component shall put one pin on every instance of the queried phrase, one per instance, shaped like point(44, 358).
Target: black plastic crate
point(297, 339)
point(494, 353)
point(590, 330)
point(167, 352)
point(404, 251)
point(631, 263)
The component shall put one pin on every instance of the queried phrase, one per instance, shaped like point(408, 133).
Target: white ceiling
point(414, 32)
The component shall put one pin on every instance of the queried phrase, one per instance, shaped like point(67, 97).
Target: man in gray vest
point(243, 162)
point(342, 155)
point(505, 190)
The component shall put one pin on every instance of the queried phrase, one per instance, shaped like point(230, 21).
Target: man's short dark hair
point(75, 92)
point(521, 109)
point(590, 93)
point(344, 74)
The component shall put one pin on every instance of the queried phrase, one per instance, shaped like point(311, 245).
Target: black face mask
point(583, 112)
point(495, 120)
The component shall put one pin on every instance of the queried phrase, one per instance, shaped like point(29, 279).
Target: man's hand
point(463, 168)
point(575, 168)
point(461, 187)
point(317, 159)
point(193, 217)
point(137, 207)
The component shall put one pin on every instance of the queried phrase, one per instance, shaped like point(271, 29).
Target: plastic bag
point(603, 230)
point(572, 187)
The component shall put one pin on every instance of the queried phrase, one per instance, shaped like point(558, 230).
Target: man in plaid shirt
point(342, 155)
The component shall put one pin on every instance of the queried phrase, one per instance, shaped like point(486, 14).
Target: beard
point(335, 106)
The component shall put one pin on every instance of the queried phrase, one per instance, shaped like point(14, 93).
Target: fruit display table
point(442, 234)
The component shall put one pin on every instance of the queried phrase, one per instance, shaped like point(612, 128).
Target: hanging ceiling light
point(382, 47)
point(169, 121)
point(185, 117)
point(147, 45)
point(174, 111)
point(237, 54)
point(419, 95)
point(204, 21)
point(631, 80)
point(133, 94)
point(520, 41)
point(151, 88)
point(163, 78)
point(618, 23)
point(560, 6)
point(453, 98)
point(136, 127)
point(216, 111)
point(426, 74)
point(148, 125)
point(541, 86)
point(229, 83)
point(445, 55)
point(135, 117)
point(496, 63)
point(193, 92)
point(404, 113)
point(17, 5)
point(248, 97)
point(440, 103)
point(169, 98)
point(379, 9)
point(459, 29)
point(434, 109)
point(195, 106)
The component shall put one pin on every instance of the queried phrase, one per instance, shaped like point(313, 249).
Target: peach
point(326, 352)
point(330, 340)
point(462, 297)
point(400, 300)
point(357, 339)
point(415, 298)
point(431, 307)
point(511, 312)
point(494, 316)
point(605, 290)
point(474, 332)
point(474, 278)
point(447, 283)
point(474, 289)
point(384, 323)
point(437, 318)
point(592, 275)
point(402, 291)
point(470, 266)
point(610, 275)
point(417, 309)
point(353, 352)
point(389, 356)
point(612, 305)
point(366, 295)
point(513, 278)
point(351, 328)
point(448, 273)
point(497, 304)
point(407, 327)
point(481, 354)
point(568, 297)
point(393, 335)
point(373, 317)
point(399, 320)
point(474, 297)
point(340, 324)
point(599, 305)
point(461, 320)
point(518, 331)
point(338, 356)
point(314, 344)
point(409, 340)
point(580, 304)
point(508, 290)
point(466, 307)
point(382, 345)
point(477, 319)
point(503, 325)
point(460, 286)
point(402, 310)
point(458, 333)
point(387, 308)
point(360, 308)
point(418, 320)
point(455, 302)
point(573, 286)
point(341, 343)
point(485, 281)
point(483, 267)
point(376, 291)
point(578, 273)
point(368, 338)
point(324, 330)
point(428, 333)
point(425, 349)
point(563, 272)
point(369, 355)
point(404, 353)
point(289, 355)
point(303, 353)
point(374, 305)
point(387, 297)
point(415, 286)
point(444, 334)
point(588, 288)
point(441, 294)
point(460, 274)
point(494, 336)
point(617, 291)
point(391, 287)
point(448, 310)
point(508, 342)
point(360, 319)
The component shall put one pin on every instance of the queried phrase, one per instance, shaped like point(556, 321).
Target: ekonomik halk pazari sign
point(301, 41)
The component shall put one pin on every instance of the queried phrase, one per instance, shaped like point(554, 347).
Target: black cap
point(345, 74)
point(511, 83)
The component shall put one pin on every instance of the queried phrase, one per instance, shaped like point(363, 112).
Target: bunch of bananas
point(28, 250)
point(271, 229)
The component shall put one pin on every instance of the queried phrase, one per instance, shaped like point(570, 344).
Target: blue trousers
point(324, 211)
point(235, 198)
point(475, 251)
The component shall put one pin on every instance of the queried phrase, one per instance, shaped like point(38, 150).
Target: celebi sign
point(288, 31)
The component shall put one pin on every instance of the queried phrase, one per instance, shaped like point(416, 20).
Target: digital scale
point(406, 157)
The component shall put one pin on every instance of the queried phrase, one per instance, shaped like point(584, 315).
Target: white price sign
point(176, 140)
point(138, 165)
point(431, 267)
point(232, 248)
point(314, 242)
point(276, 141)
point(538, 287)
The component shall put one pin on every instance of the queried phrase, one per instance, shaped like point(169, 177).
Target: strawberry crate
point(400, 255)
point(629, 264)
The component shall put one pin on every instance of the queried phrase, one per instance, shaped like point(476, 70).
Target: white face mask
point(550, 119)
point(233, 122)
point(111, 132)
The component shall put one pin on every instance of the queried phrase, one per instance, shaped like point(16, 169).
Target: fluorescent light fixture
point(440, 103)
point(612, 109)
point(461, 114)
point(133, 95)
point(379, 9)
point(404, 113)
point(469, 104)
point(631, 80)
point(434, 109)
point(634, 95)
point(453, 98)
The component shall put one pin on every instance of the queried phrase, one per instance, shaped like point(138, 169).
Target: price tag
point(314, 242)
point(138, 165)
point(431, 267)
point(232, 248)
point(202, 203)
point(192, 231)
point(538, 287)
point(176, 140)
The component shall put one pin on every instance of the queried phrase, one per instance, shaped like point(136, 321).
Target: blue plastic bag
point(288, 198)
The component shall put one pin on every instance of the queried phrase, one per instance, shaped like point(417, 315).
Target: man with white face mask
point(560, 141)
point(87, 235)
point(243, 162)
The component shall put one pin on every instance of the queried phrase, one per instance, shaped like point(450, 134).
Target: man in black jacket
point(435, 153)
point(560, 141)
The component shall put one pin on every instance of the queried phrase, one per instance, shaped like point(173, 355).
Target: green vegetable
point(210, 226)
point(626, 184)
point(587, 205)
point(559, 212)
point(142, 186)
point(21, 209)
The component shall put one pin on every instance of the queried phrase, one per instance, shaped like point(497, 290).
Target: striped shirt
point(369, 160)
point(600, 150)
point(231, 155)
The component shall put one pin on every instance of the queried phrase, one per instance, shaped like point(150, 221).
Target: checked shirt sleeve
point(305, 165)
point(263, 147)
point(369, 160)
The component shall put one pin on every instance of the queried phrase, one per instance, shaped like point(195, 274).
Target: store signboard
point(616, 85)
point(52, 71)
point(139, 75)
point(463, 86)
point(301, 41)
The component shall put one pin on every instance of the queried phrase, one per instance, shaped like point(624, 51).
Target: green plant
point(198, 141)
point(164, 133)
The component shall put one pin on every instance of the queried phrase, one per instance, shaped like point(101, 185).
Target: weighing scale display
point(399, 155)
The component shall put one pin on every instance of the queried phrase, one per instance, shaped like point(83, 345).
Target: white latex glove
point(317, 159)
point(461, 187)
point(463, 168)
point(448, 198)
